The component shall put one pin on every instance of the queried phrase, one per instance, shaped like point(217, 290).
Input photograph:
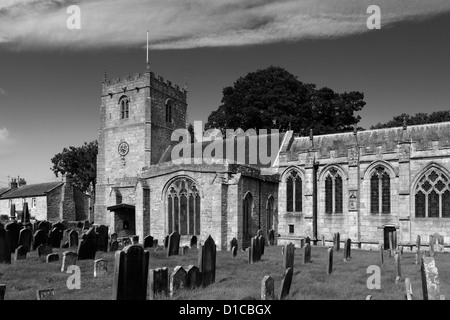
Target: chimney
point(22, 182)
point(13, 184)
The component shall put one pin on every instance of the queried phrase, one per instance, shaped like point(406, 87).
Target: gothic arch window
point(432, 195)
point(294, 192)
point(270, 213)
point(169, 104)
point(124, 103)
point(248, 212)
point(333, 192)
point(183, 207)
point(380, 190)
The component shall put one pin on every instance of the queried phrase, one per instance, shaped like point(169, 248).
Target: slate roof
point(3, 190)
point(32, 190)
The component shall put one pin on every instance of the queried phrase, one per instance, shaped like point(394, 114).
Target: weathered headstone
point(234, 251)
point(262, 245)
point(286, 283)
point(100, 268)
point(173, 246)
point(52, 257)
point(177, 280)
point(43, 250)
point(148, 242)
point(330, 261)
point(234, 243)
point(193, 277)
point(65, 239)
point(289, 256)
point(14, 231)
point(408, 289)
point(381, 251)
point(46, 294)
point(39, 238)
point(130, 273)
point(337, 241)
point(114, 246)
point(259, 233)
point(102, 238)
point(80, 225)
point(255, 250)
point(207, 262)
point(55, 238)
point(20, 253)
point(369, 297)
point(25, 239)
point(398, 268)
point(87, 249)
point(69, 259)
point(193, 242)
point(267, 288)
point(158, 283)
point(2, 291)
point(5, 249)
point(430, 279)
point(166, 241)
point(347, 249)
point(306, 253)
point(271, 237)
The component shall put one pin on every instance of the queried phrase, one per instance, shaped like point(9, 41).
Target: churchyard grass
point(235, 277)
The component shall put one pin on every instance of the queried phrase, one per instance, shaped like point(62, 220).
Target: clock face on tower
point(123, 148)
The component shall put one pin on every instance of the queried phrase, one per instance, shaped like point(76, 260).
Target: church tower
point(138, 114)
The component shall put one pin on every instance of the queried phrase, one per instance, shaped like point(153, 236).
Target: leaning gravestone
point(398, 268)
point(430, 279)
point(20, 253)
point(65, 239)
point(193, 277)
point(52, 257)
point(100, 268)
point(102, 238)
point(207, 262)
point(267, 288)
point(55, 238)
point(148, 242)
point(43, 250)
point(69, 258)
point(39, 238)
point(73, 239)
point(5, 249)
point(130, 273)
point(173, 247)
point(158, 283)
point(255, 250)
point(25, 239)
point(286, 283)
point(177, 280)
point(289, 256)
point(46, 294)
point(14, 231)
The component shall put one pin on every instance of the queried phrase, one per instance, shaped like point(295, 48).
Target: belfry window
point(124, 103)
point(293, 192)
point(183, 207)
point(169, 104)
point(333, 192)
point(432, 195)
point(380, 191)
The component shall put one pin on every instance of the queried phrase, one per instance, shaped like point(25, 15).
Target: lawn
point(235, 278)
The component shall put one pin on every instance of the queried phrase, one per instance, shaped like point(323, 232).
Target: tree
point(274, 98)
point(80, 163)
point(418, 118)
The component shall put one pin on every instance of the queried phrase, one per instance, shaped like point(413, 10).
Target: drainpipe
point(315, 169)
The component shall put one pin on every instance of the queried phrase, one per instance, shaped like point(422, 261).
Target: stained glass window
point(380, 191)
point(294, 192)
point(432, 195)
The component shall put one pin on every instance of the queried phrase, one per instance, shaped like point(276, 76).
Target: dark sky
point(50, 99)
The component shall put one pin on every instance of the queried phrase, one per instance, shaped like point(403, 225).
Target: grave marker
point(193, 242)
point(39, 238)
point(14, 231)
point(158, 282)
point(330, 261)
point(193, 277)
point(46, 294)
point(69, 259)
point(114, 246)
point(20, 253)
point(25, 239)
point(347, 249)
point(73, 239)
point(306, 253)
point(271, 237)
point(381, 251)
point(2, 291)
point(148, 242)
point(55, 238)
point(286, 283)
point(100, 268)
point(207, 262)
point(430, 279)
point(408, 289)
point(102, 238)
point(87, 249)
point(177, 280)
point(398, 268)
point(289, 256)
point(43, 250)
point(337, 241)
point(52, 257)
point(234, 243)
point(5, 249)
point(267, 288)
point(173, 246)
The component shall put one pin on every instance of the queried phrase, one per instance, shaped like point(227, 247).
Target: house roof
point(32, 190)
point(3, 190)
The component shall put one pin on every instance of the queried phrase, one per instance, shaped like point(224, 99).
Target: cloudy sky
point(50, 75)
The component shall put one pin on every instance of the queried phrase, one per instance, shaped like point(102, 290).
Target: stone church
point(361, 184)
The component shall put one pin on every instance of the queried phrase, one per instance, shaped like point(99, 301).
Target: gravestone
point(234, 243)
point(43, 250)
point(114, 246)
point(39, 238)
point(330, 261)
point(347, 249)
point(80, 225)
point(2, 291)
point(398, 268)
point(87, 249)
point(431, 248)
point(380, 249)
point(173, 246)
point(286, 283)
point(134, 239)
point(126, 242)
point(25, 217)
point(44, 225)
point(65, 239)
point(259, 233)
point(155, 243)
point(255, 250)
point(100, 268)
point(207, 262)
point(114, 236)
point(5, 248)
point(193, 242)
point(430, 279)
point(46, 294)
point(323, 241)
point(166, 241)
point(25, 239)
point(271, 237)
point(289, 256)
point(337, 241)
point(267, 288)
point(130, 273)
point(102, 238)
point(69, 259)
point(418, 244)
point(158, 282)
point(408, 289)
point(60, 226)
point(14, 231)
point(20, 253)
point(177, 280)
point(184, 250)
point(148, 242)
point(52, 257)
point(55, 238)
point(73, 239)
point(193, 277)
point(306, 253)
point(234, 251)
point(262, 245)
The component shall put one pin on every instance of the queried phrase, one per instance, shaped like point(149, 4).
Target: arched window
point(293, 192)
point(380, 191)
point(270, 211)
point(247, 216)
point(432, 195)
point(124, 103)
point(333, 192)
point(183, 207)
point(169, 104)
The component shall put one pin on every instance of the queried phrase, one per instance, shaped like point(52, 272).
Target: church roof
point(32, 190)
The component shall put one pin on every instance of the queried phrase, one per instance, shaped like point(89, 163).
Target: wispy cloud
point(41, 24)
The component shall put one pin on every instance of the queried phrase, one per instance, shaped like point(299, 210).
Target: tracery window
point(380, 191)
point(333, 192)
point(432, 195)
point(124, 103)
point(293, 192)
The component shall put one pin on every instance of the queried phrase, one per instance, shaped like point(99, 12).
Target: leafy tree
point(274, 98)
point(80, 163)
point(418, 118)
